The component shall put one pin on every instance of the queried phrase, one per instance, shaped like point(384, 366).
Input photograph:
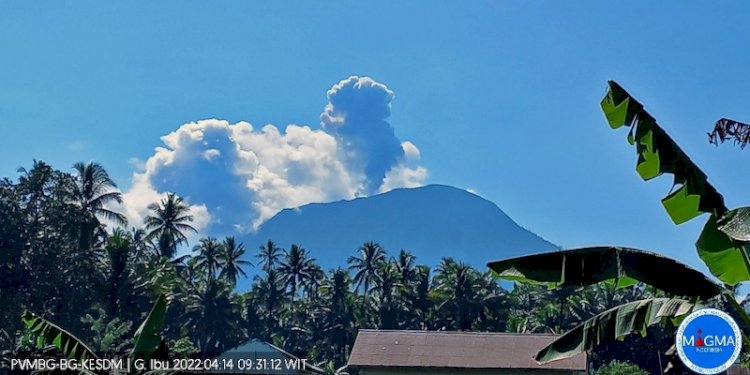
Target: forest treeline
point(68, 256)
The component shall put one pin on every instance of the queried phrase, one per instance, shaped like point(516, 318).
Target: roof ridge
point(418, 331)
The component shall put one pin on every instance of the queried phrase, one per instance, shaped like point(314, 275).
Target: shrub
point(619, 368)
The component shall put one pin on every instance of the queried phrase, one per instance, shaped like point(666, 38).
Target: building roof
point(256, 349)
point(477, 350)
point(738, 370)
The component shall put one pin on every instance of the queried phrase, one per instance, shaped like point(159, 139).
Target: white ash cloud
point(236, 176)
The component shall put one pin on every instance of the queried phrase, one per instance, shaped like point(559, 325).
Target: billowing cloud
point(356, 115)
point(236, 176)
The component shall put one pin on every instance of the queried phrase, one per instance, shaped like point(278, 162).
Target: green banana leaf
point(726, 258)
point(47, 333)
point(148, 336)
point(658, 154)
point(622, 265)
point(721, 247)
point(614, 323)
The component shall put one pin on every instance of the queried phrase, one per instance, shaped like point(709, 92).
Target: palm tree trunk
point(294, 293)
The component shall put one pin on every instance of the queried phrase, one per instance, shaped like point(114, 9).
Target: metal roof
point(478, 350)
point(738, 370)
point(254, 349)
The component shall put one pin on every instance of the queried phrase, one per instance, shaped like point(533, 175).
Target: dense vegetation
point(67, 256)
point(619, 368)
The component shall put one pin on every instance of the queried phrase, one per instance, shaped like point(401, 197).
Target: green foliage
point(330, 368)
point(232, 262)
point(93, 190)
point(692, 195)
point(721, 245)
point(148, 336)
point(167, 224)
point(726, 258)
point(183, 348)
point(615, 323)
point(26, 341)
point(297, 269)
point(292, 302)
point(619, 368)
point(621, 265)
point(48, 333)
point(108, 335)
point(371, 255)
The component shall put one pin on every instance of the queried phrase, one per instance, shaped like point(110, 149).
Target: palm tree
point(59, 233)
point(386, 283)
point(366, 266)
point(168, 222)
point(317, 277)
point(335, 290)
point(231, 261)
point(213, 317)
point(34, 186)
point(143, 247)
point(597, 298)
point(405, 266)
point(94, 189)
point(269, 255)
point(269, 296)
point(339, 317)
point(296, 269)
point(418, 298)
point(208, 259)
point(117, 270)
point(458, 286)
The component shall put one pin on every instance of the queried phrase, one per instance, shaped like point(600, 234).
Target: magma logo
point(708, 341)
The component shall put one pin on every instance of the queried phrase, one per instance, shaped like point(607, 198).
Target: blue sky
point(499, 97)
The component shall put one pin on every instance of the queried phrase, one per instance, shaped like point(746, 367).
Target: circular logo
point(708, 341)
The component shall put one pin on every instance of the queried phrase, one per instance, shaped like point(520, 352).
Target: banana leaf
point(47, 333)
point(148, 336)
point(736, 224)
point(725, 257)
point(622, 265)
point(726, 129)
point(658, 154)
point(614, 323)
point(722, 248)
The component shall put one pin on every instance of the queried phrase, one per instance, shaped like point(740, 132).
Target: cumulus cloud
point(236, 176)
point(356, 115)
point(408, 173)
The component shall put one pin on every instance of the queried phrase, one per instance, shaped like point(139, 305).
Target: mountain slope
point(432, 222)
